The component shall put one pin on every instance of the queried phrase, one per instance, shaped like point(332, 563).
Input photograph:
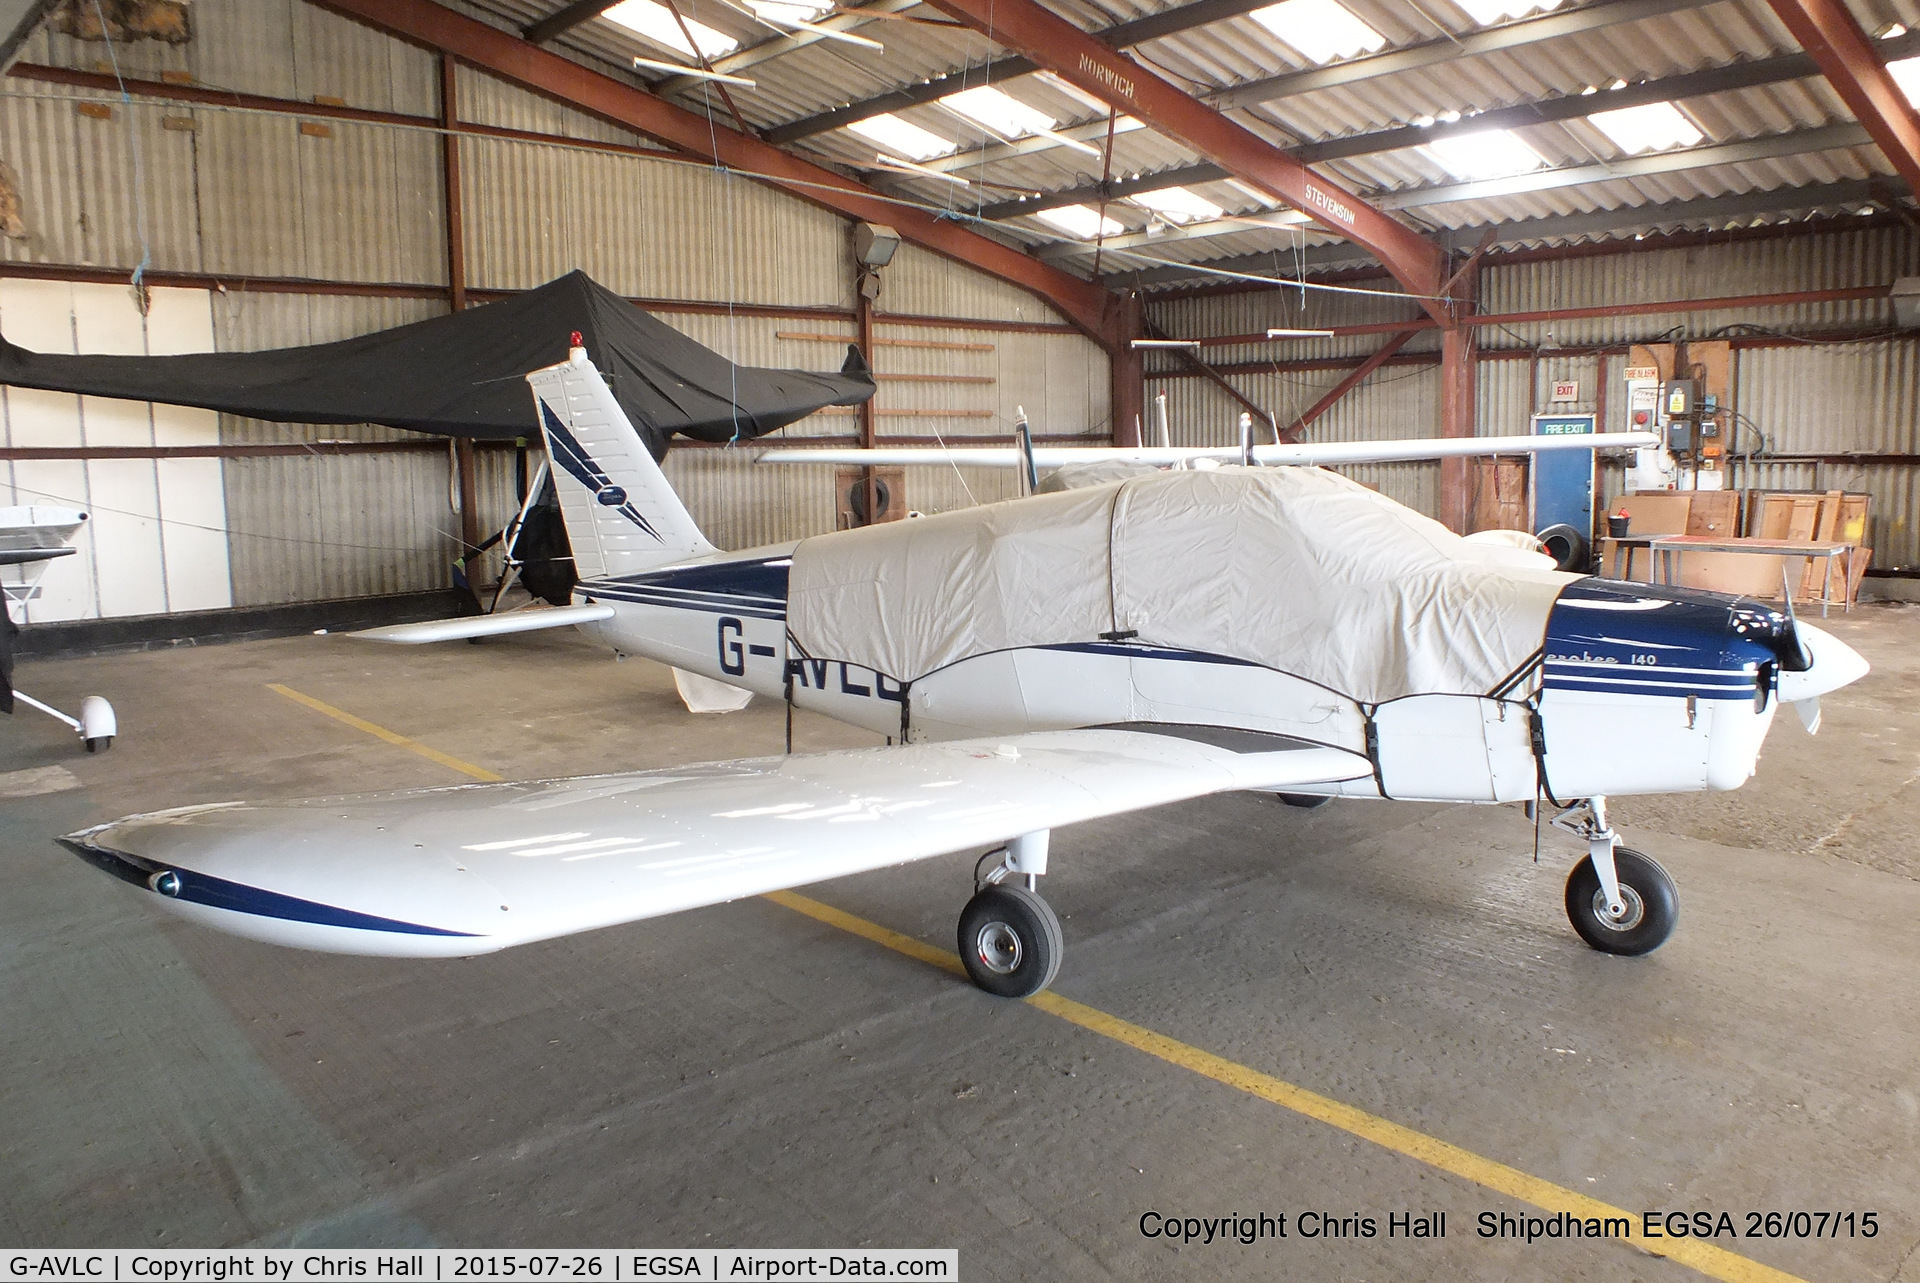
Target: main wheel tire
point(98, 743)
point(1305, 801)
point(1567, 546)
point(1010, 941)
point(1652, 905)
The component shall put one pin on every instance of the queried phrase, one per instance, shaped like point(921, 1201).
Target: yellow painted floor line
point(381, 732)
point(1714, 1262)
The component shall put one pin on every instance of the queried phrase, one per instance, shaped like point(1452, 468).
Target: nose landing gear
point(1010, 939)
point(1619, 900)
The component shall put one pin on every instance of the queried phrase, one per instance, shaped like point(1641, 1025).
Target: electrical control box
point(1680, 399)
point(1679, 436)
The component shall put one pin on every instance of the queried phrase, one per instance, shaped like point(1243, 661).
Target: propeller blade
point(1809, 710)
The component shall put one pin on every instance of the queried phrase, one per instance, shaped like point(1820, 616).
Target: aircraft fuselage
point(1638, 689)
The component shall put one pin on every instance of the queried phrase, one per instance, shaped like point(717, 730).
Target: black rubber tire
point(99, 743)
point(1566, 545)
point(1305, 801)
point(1643, 878)
point(1003, 915)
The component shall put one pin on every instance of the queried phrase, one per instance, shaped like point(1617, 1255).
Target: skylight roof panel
point(1322, 30)
point(1083, 221)
point(1178, 205)
point(1906, 74)
point(1492, 153)
point(1656, 126)
point(656, 23)
point(999, 111)
point(903, 137)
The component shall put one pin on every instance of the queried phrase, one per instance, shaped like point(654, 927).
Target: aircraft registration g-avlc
point(1040, 662)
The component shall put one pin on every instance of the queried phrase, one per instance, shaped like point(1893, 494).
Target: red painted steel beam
point(1085, 62)
point(498, 53)
point(1298, 428)
point(1827, 30)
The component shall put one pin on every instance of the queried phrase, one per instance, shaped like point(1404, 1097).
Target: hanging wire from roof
point(139, 180)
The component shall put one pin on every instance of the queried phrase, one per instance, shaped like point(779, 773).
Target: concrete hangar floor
point(749, 1075)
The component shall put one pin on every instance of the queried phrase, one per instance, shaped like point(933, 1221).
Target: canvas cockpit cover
point(464, 375)
point(1297, 569)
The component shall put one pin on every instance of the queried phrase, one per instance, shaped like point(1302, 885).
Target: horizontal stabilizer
point(457, 871)
point(1322, 453)
point(517, 621)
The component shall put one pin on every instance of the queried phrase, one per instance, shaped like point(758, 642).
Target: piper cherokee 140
point(1039, 662)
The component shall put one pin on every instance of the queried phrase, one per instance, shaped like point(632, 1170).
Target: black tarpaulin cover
point(462, 375)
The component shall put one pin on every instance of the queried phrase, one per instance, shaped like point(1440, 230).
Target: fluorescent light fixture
point(1178, 205)
point(1488, 12)
point(1492, 153)
point(899, 166)
point(791, 10)
point(1322, 30)
point(1254, 194)
point(799, 17)
point(1299, 334)
point(656, 23)
point(698, 73)
point(903, 137)
point(1655, 126)
point(1083, 221)
point(1185, 343)
point(1906, 74)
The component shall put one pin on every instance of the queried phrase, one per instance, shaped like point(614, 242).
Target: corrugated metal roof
point(1238, 51)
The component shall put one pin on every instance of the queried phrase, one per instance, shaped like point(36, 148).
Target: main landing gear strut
point(1620, 900)
point(1010, 941)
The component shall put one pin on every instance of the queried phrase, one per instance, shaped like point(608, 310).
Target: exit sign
point(1565, 390)
point(1562, 425)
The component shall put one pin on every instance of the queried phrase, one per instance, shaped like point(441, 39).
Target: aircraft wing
point(496, 625)
point(467, 870)
point(1316, 453)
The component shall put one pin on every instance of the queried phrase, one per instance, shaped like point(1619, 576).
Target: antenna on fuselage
point(1161, 437)
point(1246, 439)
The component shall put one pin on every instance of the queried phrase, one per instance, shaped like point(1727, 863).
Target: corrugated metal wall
point(242, 193)
point(1806, 396)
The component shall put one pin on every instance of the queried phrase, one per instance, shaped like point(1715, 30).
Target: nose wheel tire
point(1650, 908)
point(1010, 941)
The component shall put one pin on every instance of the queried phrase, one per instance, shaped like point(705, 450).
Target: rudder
point(621, 514)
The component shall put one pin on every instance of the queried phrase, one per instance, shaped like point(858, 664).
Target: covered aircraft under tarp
point(1257, 564)
point(464, 375)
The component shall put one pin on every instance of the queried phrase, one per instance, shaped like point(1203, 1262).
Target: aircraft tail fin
point(621, 514)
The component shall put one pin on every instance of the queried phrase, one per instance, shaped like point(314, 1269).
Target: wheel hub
point(1632, 910)
point(999, 948)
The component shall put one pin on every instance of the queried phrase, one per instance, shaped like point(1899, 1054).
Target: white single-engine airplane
point(1041, 662)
